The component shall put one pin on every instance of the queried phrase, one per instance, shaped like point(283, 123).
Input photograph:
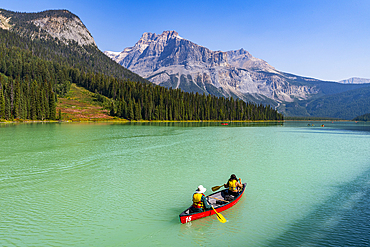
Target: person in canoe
point(199, 201)
point(233, 184)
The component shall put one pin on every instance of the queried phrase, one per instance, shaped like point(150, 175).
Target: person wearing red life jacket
point(199, 201)
point(233, 184)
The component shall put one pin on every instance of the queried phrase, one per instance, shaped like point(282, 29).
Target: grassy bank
point(82, 105)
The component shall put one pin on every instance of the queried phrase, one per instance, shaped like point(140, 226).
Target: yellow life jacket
point(232, 186)
point(197, 200)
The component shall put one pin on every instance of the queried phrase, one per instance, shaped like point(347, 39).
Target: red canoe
point(220, 205)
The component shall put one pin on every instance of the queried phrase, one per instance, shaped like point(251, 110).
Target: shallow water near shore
point(114, 184)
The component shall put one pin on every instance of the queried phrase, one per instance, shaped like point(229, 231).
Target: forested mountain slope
point(344, 105)
point(39, 60)
point(365, 117)
point(55, 41)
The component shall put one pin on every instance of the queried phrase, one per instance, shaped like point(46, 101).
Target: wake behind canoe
point(218, 200)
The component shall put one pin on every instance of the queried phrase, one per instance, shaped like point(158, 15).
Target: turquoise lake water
point(106, 184)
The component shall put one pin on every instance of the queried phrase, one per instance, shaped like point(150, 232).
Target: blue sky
point(328, 40)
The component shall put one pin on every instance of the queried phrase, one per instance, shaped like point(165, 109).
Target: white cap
point(200, 189)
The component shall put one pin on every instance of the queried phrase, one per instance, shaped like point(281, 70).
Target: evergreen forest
point(365, 117)
point(35, 72)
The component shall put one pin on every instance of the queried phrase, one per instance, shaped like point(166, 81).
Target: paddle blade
point(220, 217)
point(214, 188)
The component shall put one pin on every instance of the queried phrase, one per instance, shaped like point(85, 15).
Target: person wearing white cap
point(199, 200)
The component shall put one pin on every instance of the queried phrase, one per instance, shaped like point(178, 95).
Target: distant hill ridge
point(365, 117)
point(355, 80)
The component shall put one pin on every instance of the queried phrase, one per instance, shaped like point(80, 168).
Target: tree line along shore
point(32, 80)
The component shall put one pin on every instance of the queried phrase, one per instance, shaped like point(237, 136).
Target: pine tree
point(52, 106)
point(170, 114)
point(16, 103)
point(23, 106)
point(138, 111)
point(131, 114)
point(2, 103)
point(40, 104)
point(3, 65)
point(33, 100)
point(124, 109)
point(119, 109)
point(111, 112)
point(7, 109)
point(156, 113)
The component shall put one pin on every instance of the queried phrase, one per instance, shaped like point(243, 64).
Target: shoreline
point(137, 121)
point(118, 120)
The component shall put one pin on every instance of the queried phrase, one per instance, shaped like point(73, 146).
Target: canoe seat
point(220, 202)
point(229, 197)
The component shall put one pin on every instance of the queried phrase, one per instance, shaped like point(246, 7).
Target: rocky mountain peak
point(159, 40)
point(65, 29)
point(169, 48)
point(166, 35)
point(243, 59)
point(147, 37)
point(171, 35)
point(61, 24)
point(172, 61)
